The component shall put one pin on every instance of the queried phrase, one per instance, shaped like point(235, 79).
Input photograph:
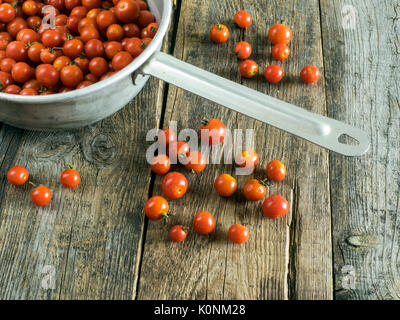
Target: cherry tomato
point(41, 196)
point(275, 170)
point(165, 137)
point(156, 208)
point(219, 33)
point(238, 233)
point(47, 75)
point(273, 73)
point(275, 206)
point(73, 23)
point(225, 185)
point(112, 48)
point(33, 83)
point(5, 80)
point(73, 48)
point(34, 22)
point(84, 84)
point(16, 50)
point(178, 149)
point(203, 222)
point(248, 68)
point(279, 33)
point(195, 161)
point(174, 185)
point(127, 11)
point(70, 4)
point(242, 19)
point(131, 30)
point(91, 4)
point(28, 92)
point(7, 12)
point(89, 33)
point(309, 74)
point(70, 178)
point(71, 76)
point(98, 66)
point(121, 60)
point(28, 36)
point(134, 46)
point(48, 55)
point(280, 51)
point(86, 22)
point(242, 50)
point(253, 190)
point(12, 89)
point(6, 64)
point(145, 18)
point(21, 72)
point(247, 158)
point(51, 38)
point(83, 63)
point(150, 30)
point(94, 48)
point(15, 25)
point(17, 175)
point(160, 164)
point(212, 131)
point(177, 233)
point(79, 11)
point(34, 52)
point(105, 18)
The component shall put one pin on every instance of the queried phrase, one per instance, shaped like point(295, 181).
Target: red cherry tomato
point(156, 208)
point(160, 164)
point(309, 74)
point(247, 158)
point(177, 233)
point(174, 185)
point(212, 131)
point(280, 51)
point(195, 161)
point(47, 75)
point(275, 206)
point(225, 185)
point(178, 149)
point(219, 33)
point(253, 190)
point(41, 196)
point(203, 222)
point(70, 178)
point(273, 73)
point(275, 170)
point(242, 19)
point(166, 136)
point(127, 11)
point(248, 68)
point(242, 50)
point(7, 12)
point(17, 175)
point(279, 33)
point(238, 233)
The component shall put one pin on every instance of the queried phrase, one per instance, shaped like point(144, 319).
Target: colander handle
point(313, 127)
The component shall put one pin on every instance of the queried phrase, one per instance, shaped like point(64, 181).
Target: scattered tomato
point(275, 170)
point(242, 19)
point(203, 222)
point(160, 164)
point(174, 185)
point(219, 33)
point(156, 208)
point(253, 190)
point(280, 51)
point(273, 73)
point(225, 185)
point(309, 74)
point(248, 68)
point(242, 50)
point(177, 233)
point(17, 175)
point(41, 195)
point(275, 206)
point(279, 33)
point(70, 178)
point(212, 131)
point(195, 161)
point(247, 158)
point(238, 233)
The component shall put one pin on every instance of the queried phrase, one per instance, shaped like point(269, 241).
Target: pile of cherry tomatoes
point(279, 35)
point(174, 184)
point(41, 195)
point(87, 41)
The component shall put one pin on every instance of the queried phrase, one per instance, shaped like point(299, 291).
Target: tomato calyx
point(30, 44)
point(69, 36)
point(42, 89)
point(265, 182)
point(165, 216)
point(14, 4)
point(219, 26)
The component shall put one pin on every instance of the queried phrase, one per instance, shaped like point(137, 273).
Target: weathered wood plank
point(361, 50)
point(91, 237)
point(285, 258)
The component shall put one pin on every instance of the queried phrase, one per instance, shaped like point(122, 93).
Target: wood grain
point(288, 258)
point(362, 74)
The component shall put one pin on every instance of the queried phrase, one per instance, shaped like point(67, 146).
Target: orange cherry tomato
point(273, 73)
point(279, 33)
point(156, 208)
point(248, 68)
point(247, 158)
point(225, 185)
point(70, 178)
point(242, 50)
point(212, 131)
point(177, 233)
point(166, 136)
point(17, 175)
point(160, 164)
point(309, 74)
point(275, 170)
point(196, 161)
point(174, 185)
point(41, 195)
point(178, 149)
point(275, 206)
point(219, 33)
point(238, 233)
point(280, 51)
point(203, 222)
point(253, 190)
point(242, 19)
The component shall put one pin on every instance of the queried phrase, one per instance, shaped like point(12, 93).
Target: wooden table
point(344, 222)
